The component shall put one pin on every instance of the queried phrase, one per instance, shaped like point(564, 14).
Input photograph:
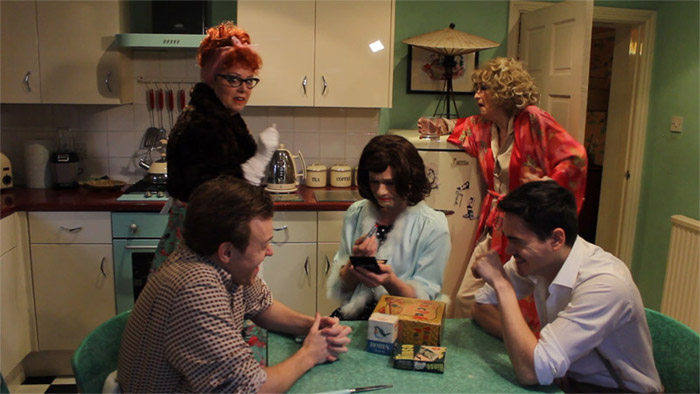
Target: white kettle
point(281, 175)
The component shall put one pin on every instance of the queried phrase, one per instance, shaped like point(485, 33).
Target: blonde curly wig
point(510, 85)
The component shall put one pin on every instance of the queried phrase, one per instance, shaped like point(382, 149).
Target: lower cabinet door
point(73, 290)
point(326, 253)
point(291, 275)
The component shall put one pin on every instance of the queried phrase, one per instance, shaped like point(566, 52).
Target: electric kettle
point(281, 175)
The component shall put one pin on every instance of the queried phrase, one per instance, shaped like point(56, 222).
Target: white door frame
point(637, 126)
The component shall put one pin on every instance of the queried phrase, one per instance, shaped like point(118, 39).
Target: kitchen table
point(474, 362)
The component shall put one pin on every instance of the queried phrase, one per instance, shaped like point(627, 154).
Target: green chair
point(676, 353)
point(97, 355)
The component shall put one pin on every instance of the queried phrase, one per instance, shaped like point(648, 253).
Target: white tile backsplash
point(112, 135)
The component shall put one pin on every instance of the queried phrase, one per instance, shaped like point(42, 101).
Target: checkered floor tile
point(47, 384)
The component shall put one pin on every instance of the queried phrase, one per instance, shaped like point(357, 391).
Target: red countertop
point(84, 199)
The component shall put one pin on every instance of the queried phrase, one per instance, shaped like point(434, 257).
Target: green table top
point(474, 362)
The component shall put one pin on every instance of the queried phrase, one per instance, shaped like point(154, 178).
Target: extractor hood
point(158, 40)
point(171, 24)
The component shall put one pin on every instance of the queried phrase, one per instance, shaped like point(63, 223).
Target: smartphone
point(369, 263)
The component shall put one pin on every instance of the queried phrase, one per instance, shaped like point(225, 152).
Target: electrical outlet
point(676, 124)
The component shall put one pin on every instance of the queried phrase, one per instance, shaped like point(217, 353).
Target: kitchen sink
point(337, 195)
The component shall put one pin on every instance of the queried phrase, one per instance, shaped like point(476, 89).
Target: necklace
point(382, 232)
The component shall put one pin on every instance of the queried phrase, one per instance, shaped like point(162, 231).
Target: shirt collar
point(568, 272)
point(225, 275)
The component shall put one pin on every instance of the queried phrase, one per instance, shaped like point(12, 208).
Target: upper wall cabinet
point(315, 53)
point(20, 78)
point(72, 43)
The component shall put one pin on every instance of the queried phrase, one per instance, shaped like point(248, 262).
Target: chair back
point(98, 354)
point(676, 353)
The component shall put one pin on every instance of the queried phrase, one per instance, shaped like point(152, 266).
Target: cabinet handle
point(328, 265)
point(280, 228)
point(140, 247)
point(102, 266)
point(71, 230)
point(109, 75)
point(325, 84)
point(26, 80)
point(303, 84)
point(306, 266)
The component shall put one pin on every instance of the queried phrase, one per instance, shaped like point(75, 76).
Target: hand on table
point(336, 336)
point(432, 126)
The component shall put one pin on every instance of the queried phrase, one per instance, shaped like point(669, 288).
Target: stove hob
point(144, 191)
point(143, 187)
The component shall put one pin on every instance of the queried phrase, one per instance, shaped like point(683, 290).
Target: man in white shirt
point(594, 330)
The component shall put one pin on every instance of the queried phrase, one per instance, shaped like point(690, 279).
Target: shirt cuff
point(486, 295)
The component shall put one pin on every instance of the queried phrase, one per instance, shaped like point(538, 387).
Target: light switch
point(676, 124)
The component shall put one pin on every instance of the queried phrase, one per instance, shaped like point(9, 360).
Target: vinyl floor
point(47, 384)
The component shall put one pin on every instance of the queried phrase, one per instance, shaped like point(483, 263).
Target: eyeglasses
point(235, 81)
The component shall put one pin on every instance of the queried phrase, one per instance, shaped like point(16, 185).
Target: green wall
point(487, 19)
point(670, 179)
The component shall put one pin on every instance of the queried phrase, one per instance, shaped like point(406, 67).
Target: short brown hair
point(410, 178)
point(220, 210)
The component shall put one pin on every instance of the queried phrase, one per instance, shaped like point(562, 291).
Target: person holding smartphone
point(393, 224)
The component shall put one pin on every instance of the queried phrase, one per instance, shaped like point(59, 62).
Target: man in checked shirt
point(185, 331)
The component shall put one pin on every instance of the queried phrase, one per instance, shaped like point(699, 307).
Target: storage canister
point(316, 175)
point(341, 175)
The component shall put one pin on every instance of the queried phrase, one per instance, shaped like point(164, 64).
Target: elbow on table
point(526, 377)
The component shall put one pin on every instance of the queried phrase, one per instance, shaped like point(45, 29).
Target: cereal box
point(382, 331)
point(420, 321)
point(419, 358)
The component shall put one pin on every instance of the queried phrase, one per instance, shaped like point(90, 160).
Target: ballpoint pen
point(359, 389)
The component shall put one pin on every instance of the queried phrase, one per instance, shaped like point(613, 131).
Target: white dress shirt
point(593, 302)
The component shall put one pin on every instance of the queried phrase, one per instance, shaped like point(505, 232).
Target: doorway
point(599, 82)
point(627, 116)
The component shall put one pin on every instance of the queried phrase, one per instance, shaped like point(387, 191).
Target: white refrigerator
point(457, 191)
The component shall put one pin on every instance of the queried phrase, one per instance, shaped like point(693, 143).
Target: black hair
point(220, 210)
point(410, 178)
point(543, 206)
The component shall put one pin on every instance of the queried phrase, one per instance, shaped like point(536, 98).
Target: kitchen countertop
point(84, 199)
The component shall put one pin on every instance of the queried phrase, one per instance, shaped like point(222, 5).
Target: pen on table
point(359, 389)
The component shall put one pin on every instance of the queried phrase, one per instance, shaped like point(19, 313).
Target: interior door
point(555, 45)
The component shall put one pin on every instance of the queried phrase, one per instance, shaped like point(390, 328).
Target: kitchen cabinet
point(16, 299)
point(73, 275)
point(314, 54)
point(304, 244)
point(20, 78)
point(66, 50)
point(330, 224)
point(291, 271)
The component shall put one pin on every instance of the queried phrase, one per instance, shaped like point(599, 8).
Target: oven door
point(132, 265)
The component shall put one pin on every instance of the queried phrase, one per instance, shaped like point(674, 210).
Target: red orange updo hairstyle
point(224, 46)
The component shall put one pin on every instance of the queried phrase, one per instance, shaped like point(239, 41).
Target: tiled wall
point(111, 136)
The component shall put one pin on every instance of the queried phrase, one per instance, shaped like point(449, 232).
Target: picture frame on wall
point(426, 73)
